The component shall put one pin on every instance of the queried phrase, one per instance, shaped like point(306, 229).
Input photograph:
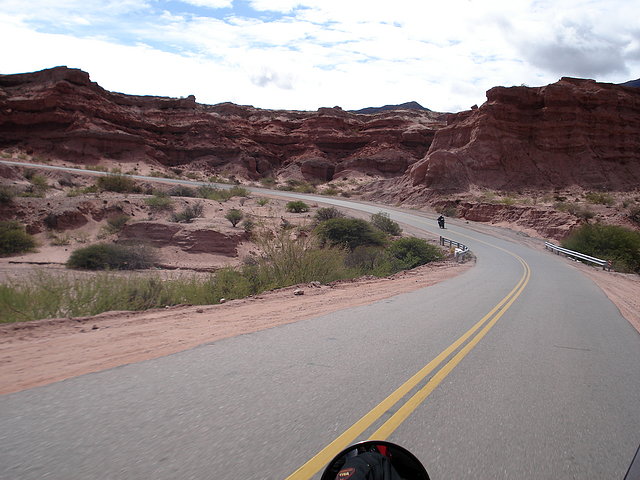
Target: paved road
point(551, 389)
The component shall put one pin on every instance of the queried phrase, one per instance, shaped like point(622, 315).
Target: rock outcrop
point(188, 240)
point(571, 133)
point(61, 113)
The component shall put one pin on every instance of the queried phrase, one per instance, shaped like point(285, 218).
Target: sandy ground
point(46, 351)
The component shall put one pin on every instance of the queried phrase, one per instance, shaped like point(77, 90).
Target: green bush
point(211, 192)
point(382, 221)
point(577, 210)
point(297, 206)
point(160, 201)
point(369, 260)
point(349, 232)
point(117, 222)
point(268, 181)
point(618, 244)
point(287, 262)
point(14, 239)
point(600, 198)
point(327, 213)
point(116, 182)
point(412, 252)
point(182, 191)
point(234, 216)
point(237, 191)
point(634, 215)
point(189, 213)
point(262, 201)
point(108, 256)
point(7, 194)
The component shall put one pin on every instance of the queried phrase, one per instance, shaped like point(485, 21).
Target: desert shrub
point(327, 213)
point(618, 244)
point(116, 182)
point(234, 216)
point(287, 262)
point(211, 192)
point(577, 210)
point(634, 215)
point(349, 232)
point(297, 206)
point(182, 191)
point(39, 182)
point(237, 191)
point(600, 198)
point(382, 221)
point(188, 214)
point(368, 260)
point(268, 181)
point(109, 256)
point(159, 201)
point(331, 190)
point(117, 223)
point(7, 194)
point(60, 240)
point(14, 239)
point(507, 201)
point(262, 201)
point(248, 225)
point(412, 252)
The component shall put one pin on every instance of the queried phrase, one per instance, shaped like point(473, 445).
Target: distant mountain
point(631, 83)
point(386, 108)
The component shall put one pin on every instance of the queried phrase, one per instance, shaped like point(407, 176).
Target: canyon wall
point(60, 113)
point(571, 133)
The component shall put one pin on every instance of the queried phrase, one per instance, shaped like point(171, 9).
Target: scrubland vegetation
point(334, 248)
point(618, 244)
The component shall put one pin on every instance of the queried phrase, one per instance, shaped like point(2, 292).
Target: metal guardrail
point(605, 264)
point(460, 251)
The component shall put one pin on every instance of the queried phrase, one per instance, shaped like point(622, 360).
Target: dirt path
point(47, 351)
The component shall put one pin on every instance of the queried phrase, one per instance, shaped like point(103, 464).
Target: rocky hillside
point(570, 133)
point(60, 113)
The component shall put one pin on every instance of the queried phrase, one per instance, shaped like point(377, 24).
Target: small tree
point(382, 221)
point(14, 239)
point(188, 214)
point(327, 213)
point(350, 232)
point(297, 206)
point(109, 256)
point(234, 216)
point(412, 252)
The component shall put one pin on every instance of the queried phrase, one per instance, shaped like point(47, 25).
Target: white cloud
point(444, 55)
point(209, 3)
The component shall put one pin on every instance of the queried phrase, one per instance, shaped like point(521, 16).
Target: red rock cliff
point(60, 113)
point(573, 132)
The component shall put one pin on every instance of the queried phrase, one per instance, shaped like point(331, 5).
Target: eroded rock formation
point(60, 113)
point(571, 133)
point(189, 240)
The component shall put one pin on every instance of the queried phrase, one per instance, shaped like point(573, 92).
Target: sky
point(307, 54)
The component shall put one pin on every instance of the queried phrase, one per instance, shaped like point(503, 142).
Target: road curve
point(550, 389)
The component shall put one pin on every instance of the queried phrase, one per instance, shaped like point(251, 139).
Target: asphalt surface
point(551, 391)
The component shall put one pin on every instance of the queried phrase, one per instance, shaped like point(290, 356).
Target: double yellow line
point(480, 329)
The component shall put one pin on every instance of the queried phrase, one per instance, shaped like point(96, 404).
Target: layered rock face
point(571, 133)
point(60, 113)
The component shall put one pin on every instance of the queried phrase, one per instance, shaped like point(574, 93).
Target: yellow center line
point(316, 463)
point(407, 409)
